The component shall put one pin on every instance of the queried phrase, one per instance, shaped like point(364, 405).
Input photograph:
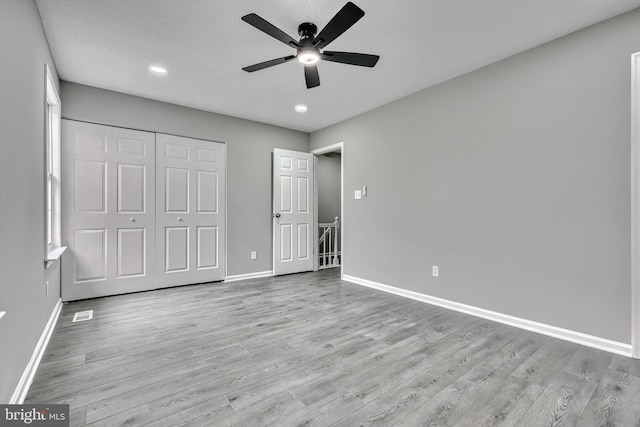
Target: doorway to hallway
point(329, 219)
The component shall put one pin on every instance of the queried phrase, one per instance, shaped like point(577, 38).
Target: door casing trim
point(635, 205)
point(333, 148)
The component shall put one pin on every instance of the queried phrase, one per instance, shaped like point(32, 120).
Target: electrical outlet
point(254, 255)
point(435, 271)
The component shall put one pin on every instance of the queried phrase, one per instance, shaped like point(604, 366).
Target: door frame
point(333, 148)
point(635, 205)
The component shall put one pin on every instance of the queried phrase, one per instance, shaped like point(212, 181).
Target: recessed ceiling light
point(155, 69)
point(301, 108)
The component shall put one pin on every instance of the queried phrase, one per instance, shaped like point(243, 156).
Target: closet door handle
point(132, 220)
point(179, 219)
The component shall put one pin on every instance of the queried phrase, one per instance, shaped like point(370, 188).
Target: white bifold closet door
point(108, 210)
point(190, 210)
point(140, 210)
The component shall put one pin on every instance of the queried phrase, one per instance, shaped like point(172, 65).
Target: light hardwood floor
point(309, 349)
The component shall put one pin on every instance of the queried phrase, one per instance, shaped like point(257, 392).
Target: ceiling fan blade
point(267, 64)
point(361, 59)
point(311, 76)
point(270, 29)
point(344, 19)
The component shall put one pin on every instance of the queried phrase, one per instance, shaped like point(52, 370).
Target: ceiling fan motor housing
point(307, 31)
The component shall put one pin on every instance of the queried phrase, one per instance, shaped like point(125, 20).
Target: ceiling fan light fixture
point(308, 56)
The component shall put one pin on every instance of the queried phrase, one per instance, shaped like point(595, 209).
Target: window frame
point(52, 193)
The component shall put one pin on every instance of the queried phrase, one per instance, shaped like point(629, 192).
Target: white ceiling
point(204, 44)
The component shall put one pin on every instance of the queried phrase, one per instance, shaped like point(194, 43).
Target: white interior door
point(190, 210)
point(292, 212)
point(108, 206)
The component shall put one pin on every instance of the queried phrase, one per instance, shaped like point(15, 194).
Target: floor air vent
point(81, 316)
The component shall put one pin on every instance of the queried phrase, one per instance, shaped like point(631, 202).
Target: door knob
point(132, 220)
point(277, 215)
point(179, 219)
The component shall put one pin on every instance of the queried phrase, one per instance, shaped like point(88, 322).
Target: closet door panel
point(108, 210)
point(190, 214)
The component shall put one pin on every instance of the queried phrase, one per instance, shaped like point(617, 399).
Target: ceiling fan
point(309, 47)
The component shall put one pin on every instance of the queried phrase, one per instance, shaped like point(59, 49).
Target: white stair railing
point(329, 256)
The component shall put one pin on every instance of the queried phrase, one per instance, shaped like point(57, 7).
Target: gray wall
point(249, 148)
point(328, 177)
point(24, 52)
point(513, 179)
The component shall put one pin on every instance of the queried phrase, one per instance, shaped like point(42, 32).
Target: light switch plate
point(358, 195)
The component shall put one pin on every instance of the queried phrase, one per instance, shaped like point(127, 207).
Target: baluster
point(335, 242)
point(324, 249)
point(324, 253)
point(330, 249)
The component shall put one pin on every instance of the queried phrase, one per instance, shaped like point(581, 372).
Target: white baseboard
point(248, 276)
point(541, 328)
point(22, 389)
